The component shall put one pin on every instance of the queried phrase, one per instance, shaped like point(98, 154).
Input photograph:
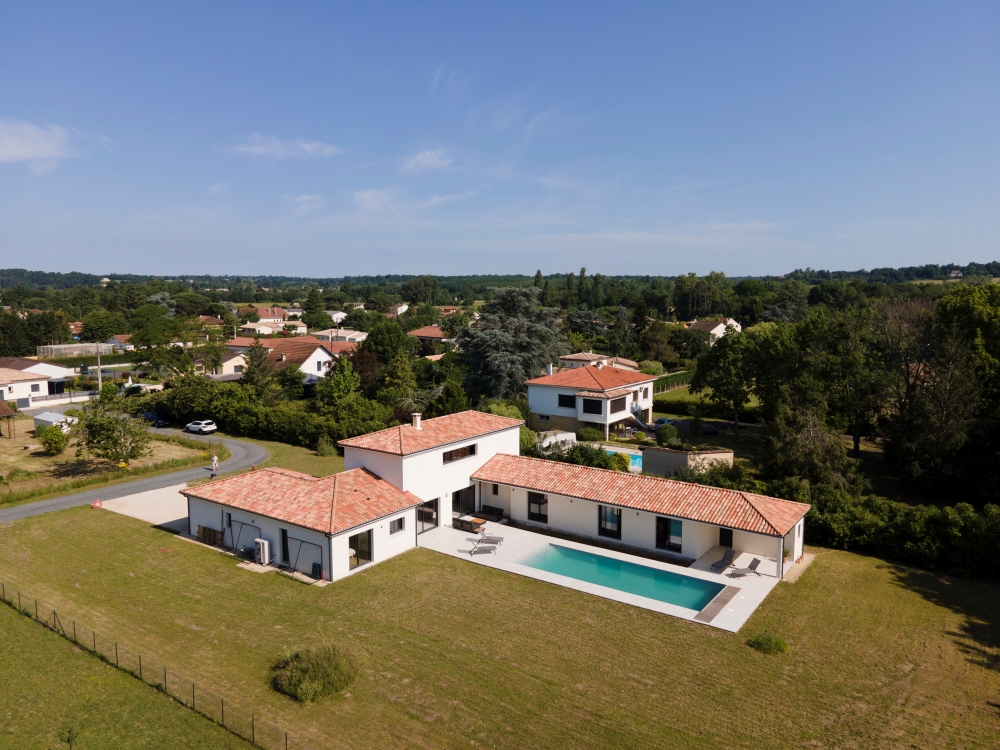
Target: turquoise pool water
point(636, 461)
point(641, 580)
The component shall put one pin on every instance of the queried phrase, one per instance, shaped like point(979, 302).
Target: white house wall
point(212, 515)
point(385, 465)
point(384, 544)
point(23, 389)
point(544, 399)
point(314, 367)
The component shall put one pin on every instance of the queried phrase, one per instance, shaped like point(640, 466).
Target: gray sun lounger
point(740, 572)
point(726, 561)
point(490, 539)
point(484, 549)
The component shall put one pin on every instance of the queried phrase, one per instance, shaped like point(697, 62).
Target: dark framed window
point(567, 402)
point(496, 489)
point(361, 548)
point(543, 417)
point(635, 395)
point(609, 521)
point(593, 406)
point(458, 453)
point(427, 516)
point(396, 525)
point(35, 388)
point(668, 534)
point(725, 538)
point(619, 404)
point(229, 520)
point(238, 369)
point(645, 393)
point(538, 507)
point(284, 545)
point(463, 502)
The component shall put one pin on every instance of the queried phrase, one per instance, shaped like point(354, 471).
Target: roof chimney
point(599, 365)
point(416, 420)
point(548, 369)
point(282, 357)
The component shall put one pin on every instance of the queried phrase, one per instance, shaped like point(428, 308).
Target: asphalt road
point(243, 456)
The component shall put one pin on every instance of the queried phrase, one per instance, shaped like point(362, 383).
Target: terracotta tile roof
point(122, 337)
point(336, 348)
point(405, 439)
point(265, 312)
point(583, 357)
point(593, 378)
point(210, 320)
point(247, 341)
point(604, 394)
point(9, 375)
point(17, 363)
point(697, 502)
point(5, 410)
point(428, 332)
point(328, 504)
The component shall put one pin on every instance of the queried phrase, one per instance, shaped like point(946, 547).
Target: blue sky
point(321, 140)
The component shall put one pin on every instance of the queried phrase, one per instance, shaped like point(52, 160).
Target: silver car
point(203, 427)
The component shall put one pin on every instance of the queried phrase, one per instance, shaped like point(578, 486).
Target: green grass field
point(49, 686)
point(296, 458)
point(454, 654)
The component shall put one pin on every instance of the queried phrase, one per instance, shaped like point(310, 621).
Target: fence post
point(18, 601)
point(140, 666)
point(165, 680)
point(223, 710)
point(36, 609)
point(74, 632)
point(192, 698)
point(116, 653)
point(286, 740)
point(253, 731)
point(95, 640)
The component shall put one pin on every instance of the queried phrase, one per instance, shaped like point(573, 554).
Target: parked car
point(155, 419)
point(203, 427)
point(659, 422)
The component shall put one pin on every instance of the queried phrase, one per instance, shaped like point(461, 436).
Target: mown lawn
point(454, 654)
point(50, 686)
point(285, 456)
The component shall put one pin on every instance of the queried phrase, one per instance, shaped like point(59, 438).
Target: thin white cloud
point(258, 144)
point(426, 161)
point(438, 200)
point(372, 203)
point(218, 188)
point(42, 147)
point(303, 204)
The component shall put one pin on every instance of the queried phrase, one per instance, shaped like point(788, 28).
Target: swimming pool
point(641, 580)
point(634, 459)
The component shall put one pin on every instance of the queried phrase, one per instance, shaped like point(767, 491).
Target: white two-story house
point(594, 396)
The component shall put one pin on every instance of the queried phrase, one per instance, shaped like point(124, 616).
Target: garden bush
point(313, 673)
point(324, 447)
point(768, 643)
point(17, 474)
point(666, 434)
point(589, 434)
point(52, 439)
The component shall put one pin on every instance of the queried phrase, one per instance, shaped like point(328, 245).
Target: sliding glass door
point(463, 502)
point(427, 516)
point(361, 548)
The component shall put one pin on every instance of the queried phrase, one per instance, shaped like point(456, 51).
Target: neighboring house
point(266, 314)
point(51, 380)
point(230, 368)
point(336, 348)
point(311, 357)
point(120, 342)
point(597, 396)
point(680, 518)
point(210, 321)
point(584, 359)
point(396, 310)
point(429, 335)
point(340, 334)
point(715, 328)
point(295, 327)
point(21, 386)
point(955, 274)
point(448, 310)
point(668, 461)
point(75, 327)
point(336, 315)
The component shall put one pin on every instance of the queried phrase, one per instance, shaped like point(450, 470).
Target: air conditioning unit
point(261, 551)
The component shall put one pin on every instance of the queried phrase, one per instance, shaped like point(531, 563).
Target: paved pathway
point(243, 456)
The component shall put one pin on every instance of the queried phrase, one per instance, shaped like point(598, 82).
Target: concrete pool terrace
point(728, 611)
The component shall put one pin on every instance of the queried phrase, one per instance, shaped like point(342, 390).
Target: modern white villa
point(463, 469)
point(592, 396)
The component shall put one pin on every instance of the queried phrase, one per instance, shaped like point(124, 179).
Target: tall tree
point(515, 339)
point(340, 382)
point(258, 375)
point(386, 340)
point(727, 369)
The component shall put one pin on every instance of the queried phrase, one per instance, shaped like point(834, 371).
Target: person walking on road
point(215, 463)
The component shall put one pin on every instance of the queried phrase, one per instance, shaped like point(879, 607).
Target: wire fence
point(244, 724)
point(672, 381)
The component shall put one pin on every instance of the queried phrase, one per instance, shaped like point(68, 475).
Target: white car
point(204, 427)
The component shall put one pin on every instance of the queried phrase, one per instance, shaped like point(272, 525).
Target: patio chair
point(487, 538)
point(484, 549)
point(726, 561)
point(740, 572)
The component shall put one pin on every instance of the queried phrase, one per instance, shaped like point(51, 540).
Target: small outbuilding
point(54, 419)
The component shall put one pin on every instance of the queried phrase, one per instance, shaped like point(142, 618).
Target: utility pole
point(99, 381)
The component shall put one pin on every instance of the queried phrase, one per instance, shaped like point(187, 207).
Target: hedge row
point(704, 409)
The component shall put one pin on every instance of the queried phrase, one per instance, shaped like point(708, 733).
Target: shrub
point(529, 439)
point(768, 643)
point(589, 434)
point(650, 367)
point(311, 674)
point(324, 447)
point(666, 434)
point(620, 462)
point(17, 474)
point(52, 439)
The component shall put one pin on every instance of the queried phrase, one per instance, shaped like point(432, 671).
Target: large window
point(668, 534)
point(618, 405)
point(361, 548)
point(567, 402)
point(455, 455)
point(463, 502)
point(593, 406)
point(538, 507)
point(284, 545)
point(427, 516)
point(609, 521)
